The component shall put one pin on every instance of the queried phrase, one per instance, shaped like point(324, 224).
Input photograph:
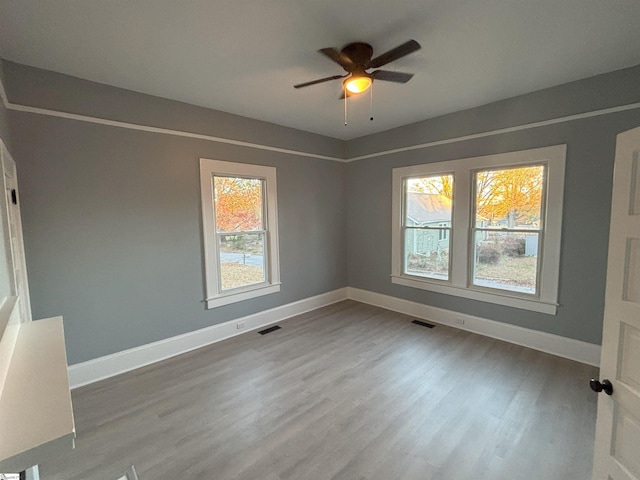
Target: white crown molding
point(570, 348)
point(120, 362)
point(180, 133)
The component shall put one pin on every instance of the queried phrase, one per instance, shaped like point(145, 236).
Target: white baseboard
point(570, 348)
point(110, 365)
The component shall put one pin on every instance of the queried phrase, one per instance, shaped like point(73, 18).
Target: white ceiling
point(244, 56)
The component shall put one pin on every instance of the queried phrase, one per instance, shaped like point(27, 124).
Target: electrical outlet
point(240, 325)
point(459, 321)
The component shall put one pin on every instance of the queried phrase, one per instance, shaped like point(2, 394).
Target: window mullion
point(507, 230)
point(427, 228)
point(460, 220)
point(240, 232)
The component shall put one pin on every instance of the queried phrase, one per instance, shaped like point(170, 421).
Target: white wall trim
point(211, 138)
point(110, 365)
point(570, 348)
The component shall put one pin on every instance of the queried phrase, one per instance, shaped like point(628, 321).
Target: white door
point(617, 447)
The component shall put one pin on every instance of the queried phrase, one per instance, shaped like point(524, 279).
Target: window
point(240, 231)
point(426, 224)
point(507, 208)
point(443, 234)
point(492, 237)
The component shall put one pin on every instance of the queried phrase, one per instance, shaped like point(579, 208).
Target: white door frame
point(13, 233)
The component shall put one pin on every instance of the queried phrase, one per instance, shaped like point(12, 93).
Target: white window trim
point(459, 283)
point(209, 168)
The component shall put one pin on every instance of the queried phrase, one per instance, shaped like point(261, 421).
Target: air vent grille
point(269, 330)
point(423, 324)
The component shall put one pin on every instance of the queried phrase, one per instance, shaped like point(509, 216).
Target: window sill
point(243, 295)
point(540, 306)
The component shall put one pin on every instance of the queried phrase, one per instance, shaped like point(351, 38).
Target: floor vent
point(423, 324)
point(269, 330)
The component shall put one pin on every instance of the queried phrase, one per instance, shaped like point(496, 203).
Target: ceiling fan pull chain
point(345, 105)
point(371, 97)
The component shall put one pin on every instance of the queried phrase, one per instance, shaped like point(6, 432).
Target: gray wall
point(41, 88)
point(4, 118)
point(595, 93)
point(589, 173)
point(112, 227)
point(112, 216)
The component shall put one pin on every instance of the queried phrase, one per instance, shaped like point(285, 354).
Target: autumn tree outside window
point(485, 228)
point(240, 231)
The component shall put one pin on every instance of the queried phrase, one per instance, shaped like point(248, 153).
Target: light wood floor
point(349, 392)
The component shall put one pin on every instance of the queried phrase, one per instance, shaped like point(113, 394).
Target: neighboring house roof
point(425, 208)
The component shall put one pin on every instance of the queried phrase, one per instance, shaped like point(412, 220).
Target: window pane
point(238, 204)
point(241, 260)
point(509, 198)
point(427, 253)
point(507, 261)
point(428, 201)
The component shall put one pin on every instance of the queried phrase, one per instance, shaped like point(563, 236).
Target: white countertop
point(36, 416)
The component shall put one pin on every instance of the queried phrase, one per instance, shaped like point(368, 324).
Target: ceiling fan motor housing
point(360, 54)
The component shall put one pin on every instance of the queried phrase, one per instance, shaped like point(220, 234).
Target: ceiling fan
point(356, 59)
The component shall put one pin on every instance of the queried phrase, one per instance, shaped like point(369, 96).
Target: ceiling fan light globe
point(358, 84)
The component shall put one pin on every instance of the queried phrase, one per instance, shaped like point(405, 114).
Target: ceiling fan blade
point(338, 57)
point(387, 76)
point(394, 54)
point(320, 80)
